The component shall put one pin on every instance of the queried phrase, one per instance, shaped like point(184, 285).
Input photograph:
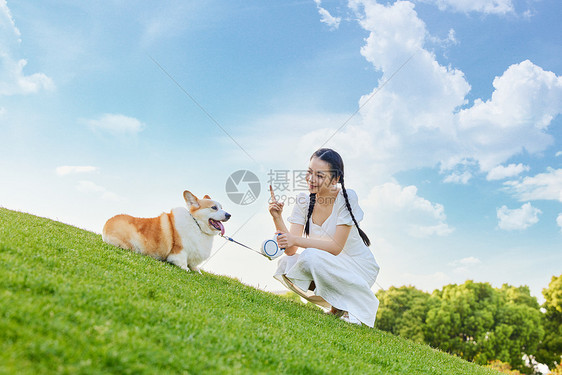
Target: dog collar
point(196, 222)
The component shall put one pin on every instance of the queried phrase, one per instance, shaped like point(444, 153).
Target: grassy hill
point(71, 304)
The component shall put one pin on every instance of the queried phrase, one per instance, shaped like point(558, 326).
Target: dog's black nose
point(227, 216)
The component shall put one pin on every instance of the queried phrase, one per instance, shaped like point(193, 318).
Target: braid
point(361, 233)
point(310, 208)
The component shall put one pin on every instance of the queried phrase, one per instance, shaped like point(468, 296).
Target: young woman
point(336, 263)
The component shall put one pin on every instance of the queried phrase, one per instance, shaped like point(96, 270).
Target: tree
point(550, 348)
point(481, 323)
point(519, 295)
point(463, 318)
point(473, 320)
point(402, 311)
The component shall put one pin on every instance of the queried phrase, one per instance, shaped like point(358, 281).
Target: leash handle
point(277, 242)
point(270, 248)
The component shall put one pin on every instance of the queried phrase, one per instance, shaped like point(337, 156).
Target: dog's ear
point(190, 199)
point(206, 197)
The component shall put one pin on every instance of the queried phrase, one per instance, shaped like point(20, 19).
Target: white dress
point(343, 281)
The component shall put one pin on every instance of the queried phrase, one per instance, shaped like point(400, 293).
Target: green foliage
point(474, 320)
point(519, 295)
point(70, 304)
point(462, 319)
point(550, 349)
point(402, 311)
point(553, 296)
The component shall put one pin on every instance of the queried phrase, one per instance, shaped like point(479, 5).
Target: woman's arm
point(334, 245)
point(276, 209)
point(280, 224)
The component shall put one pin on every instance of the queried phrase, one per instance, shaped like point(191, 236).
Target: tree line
point(480, 323)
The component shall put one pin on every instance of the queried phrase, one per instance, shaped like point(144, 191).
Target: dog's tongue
point(221, 226)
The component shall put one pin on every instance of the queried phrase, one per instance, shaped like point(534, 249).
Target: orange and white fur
point(183, 237)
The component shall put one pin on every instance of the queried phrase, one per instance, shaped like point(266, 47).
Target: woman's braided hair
point(336, 165)
point(310, 208)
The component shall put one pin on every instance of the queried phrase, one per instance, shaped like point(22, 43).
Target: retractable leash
point(269, 248)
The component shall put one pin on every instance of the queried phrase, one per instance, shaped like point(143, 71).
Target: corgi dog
point(183, 237)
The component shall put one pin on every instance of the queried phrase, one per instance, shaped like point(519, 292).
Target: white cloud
point(463, 265)
point(559, 153)
point(7, 23)
point(482, 6)
point(397, 209)
point(69, 169)
point(519, 218)
point(326, 17)
point(469, 261)
point(450, 40)
point(525, 101)
point(559, 221)
point(500, 172)
point(13, 80)
point(116, 124)
point(458, 178)
point(91, 187)
point(461, 172)
point(547, 186)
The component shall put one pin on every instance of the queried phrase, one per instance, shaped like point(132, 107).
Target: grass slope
point(71, 304)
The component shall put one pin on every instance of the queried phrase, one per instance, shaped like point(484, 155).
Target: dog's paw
point(195, 269)
point(185, 268)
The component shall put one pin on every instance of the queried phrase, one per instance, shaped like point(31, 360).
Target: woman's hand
point(285, 240)
point(275, 208)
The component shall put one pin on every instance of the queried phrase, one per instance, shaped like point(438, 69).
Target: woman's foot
point(336, 312)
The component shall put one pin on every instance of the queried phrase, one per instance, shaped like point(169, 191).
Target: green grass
point(70, 304)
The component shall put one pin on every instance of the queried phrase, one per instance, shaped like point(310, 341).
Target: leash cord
point(241, 244)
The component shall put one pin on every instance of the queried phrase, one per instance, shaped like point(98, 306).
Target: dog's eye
point(214, 208)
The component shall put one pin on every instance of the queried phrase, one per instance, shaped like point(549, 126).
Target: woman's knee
point(310, 256)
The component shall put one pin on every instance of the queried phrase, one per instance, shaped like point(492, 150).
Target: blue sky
point(456, 152)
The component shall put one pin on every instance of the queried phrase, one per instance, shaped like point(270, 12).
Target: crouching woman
point(336, 269)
